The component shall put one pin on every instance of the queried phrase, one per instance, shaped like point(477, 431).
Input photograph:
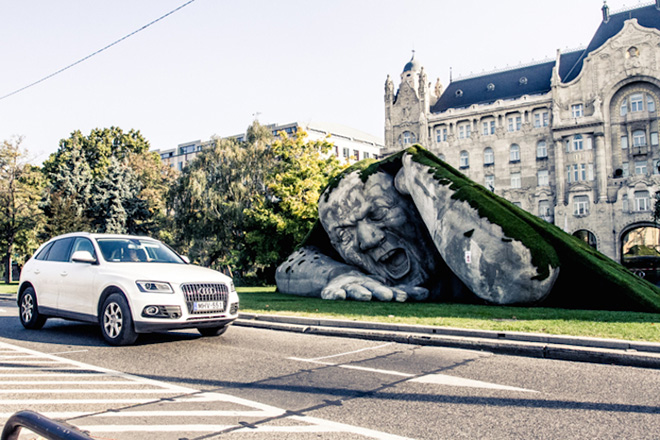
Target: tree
point(213, 192)
point(106, 182)
point(281, 218)
point(20, 190)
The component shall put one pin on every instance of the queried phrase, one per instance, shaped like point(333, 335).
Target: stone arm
point(309, 272)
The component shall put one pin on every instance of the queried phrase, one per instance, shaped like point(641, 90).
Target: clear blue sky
point(210, 67)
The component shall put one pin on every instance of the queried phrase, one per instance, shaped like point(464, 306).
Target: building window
point(514, 153)
point(639, 138)
point(356, 154)
point(489, 156)
point(366, 155)
point(544, 209)
point(577, 110)
point(346, 152)
point(514, 123)
point(650, 103)
point(642, 201)
point(581, 205)
point(543, 178)
point(407, 138)
point(578, 143)
point(464, 159)
point(624, 202)
point(518, 204)
point(441, 157)
point(624, 142)
point(516, 180)
point(464, 131)
point(636, 102)
point(541, 150)
point(541, 119)
point(640, 167)
point(489, 181)
point(625, 169)
point(441, 134)
point(488, 127)
point(624, 107)
point(654, 138)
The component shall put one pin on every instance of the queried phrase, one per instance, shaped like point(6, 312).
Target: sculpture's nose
point(369, 236)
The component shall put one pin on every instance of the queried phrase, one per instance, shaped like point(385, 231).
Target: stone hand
point(360, 287)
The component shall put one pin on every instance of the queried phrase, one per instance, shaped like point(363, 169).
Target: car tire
point(116, 321)
point(212, 331)
point(28, 310)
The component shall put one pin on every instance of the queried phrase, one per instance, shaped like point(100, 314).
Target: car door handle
point(64, 273)
point(37, 272)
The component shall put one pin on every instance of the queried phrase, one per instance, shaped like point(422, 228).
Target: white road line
point(438, 379)
point(163, 389)
point(351, 352)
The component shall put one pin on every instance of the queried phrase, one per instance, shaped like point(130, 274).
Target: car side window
point(59, 251)
point(83, 244)
point(43, 254)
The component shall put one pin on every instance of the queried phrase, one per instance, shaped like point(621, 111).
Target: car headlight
point(154, 287)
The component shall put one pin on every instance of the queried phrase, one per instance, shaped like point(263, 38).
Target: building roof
point(536, 78)
point(647, 16)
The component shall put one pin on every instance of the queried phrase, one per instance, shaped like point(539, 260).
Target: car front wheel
point(116, 321)
point(212, 331)
point(29, 313)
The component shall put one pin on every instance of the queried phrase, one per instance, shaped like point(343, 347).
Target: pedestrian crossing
point(110, 404)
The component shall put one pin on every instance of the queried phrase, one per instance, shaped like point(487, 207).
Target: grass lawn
point(596, 323)
point(602, 324)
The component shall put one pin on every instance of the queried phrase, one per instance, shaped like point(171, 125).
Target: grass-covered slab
point(587, 279)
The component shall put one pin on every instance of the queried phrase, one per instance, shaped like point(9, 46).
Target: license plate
point(207, 305)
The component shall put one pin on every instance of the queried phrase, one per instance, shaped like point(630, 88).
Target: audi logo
point(205, 291)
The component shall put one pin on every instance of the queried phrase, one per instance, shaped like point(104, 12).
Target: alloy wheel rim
point(112, 320)
point(27, 307)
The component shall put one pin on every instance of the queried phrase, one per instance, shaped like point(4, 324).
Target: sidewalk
point(570, 348)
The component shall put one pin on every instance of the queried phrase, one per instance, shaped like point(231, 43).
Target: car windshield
point(137, 250)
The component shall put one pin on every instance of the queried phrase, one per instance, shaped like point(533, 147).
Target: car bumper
point(160, 325)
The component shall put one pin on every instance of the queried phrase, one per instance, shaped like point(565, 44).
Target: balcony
point(639, 150)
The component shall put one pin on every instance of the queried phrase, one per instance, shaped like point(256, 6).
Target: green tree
point(106, 182)
point(282, 216)
point(212, 194)
point(20, 191)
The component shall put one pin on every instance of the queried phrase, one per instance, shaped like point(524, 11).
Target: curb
point(593, 350)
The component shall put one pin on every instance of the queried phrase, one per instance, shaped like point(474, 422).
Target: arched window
point(408, 138)
point(541, 150)
point(587, 237)
point(639, 138)
point(464, 159)
point(514, 153)
point(578, 143)
point(489, 156)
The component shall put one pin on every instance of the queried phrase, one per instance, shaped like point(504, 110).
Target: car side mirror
point(186, 259)
point(83, 257)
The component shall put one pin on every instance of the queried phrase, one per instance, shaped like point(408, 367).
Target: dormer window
point(523, 80)
point(490, 87)
point(577, 110)
point(459, 93)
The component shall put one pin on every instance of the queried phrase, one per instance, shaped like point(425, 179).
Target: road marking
point(352, 352)
point(435, 378)
point(167, 399)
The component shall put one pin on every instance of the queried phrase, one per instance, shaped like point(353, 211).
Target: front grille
point(204, 293)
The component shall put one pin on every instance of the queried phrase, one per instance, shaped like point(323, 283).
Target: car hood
point(170, 272)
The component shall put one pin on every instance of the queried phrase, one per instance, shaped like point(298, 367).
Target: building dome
point(412, 65)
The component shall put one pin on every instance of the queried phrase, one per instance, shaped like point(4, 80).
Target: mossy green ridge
point(587, 280)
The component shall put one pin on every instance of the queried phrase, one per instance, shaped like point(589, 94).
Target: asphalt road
point(262, 384)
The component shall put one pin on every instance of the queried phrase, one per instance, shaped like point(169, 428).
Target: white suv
point(126, 284)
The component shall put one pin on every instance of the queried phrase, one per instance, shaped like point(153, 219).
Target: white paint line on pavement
point(438, 379)
point(351, 352)
point(340, 427)
point(67, 382)
point(443, 379)
point(86, 391)
point(33, 402)
point(130, 413)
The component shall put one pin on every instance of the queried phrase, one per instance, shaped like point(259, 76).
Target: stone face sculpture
point(411, 227)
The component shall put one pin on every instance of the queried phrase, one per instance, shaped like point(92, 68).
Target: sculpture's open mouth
point(396, 263)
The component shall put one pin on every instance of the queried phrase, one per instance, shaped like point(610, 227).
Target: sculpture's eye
point(344, 235)
point(377, 214)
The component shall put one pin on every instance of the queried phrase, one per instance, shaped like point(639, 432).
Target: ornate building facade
point(573, 140)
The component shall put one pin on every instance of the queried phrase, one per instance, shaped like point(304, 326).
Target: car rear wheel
point(116, 321)
point(212, 331)
point(29, 313)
